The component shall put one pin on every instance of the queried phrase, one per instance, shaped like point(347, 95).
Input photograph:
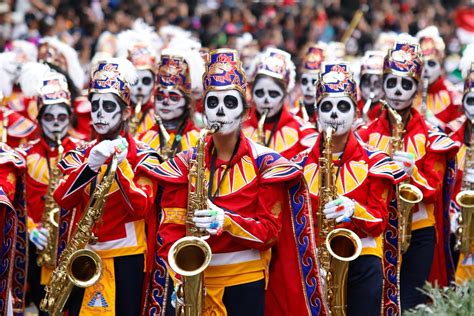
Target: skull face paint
point(106, 113)
point(308, 87)
point(143, 88)
point(336, 112)
point(399, 91)
point(431, 70)
point(169, 104)
point(55, 120)
point(268, 95)
point(371, 84)
point(468, 105)
point(224, 108)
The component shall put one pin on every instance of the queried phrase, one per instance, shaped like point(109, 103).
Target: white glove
point(469, 175)
point(211, 219)
point(454, 222)
point(39, 237)
point(340, 209)
point(432, 119)
point(100, 153)
point(405, 160)
point(121, 147)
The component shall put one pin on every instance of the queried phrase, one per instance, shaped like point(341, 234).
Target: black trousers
point(129, 277)
point(245, 299)
point(416, 266)
point(364, 286)
point(36, 290)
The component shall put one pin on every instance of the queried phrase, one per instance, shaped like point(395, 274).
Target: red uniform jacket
point(40, 157)
point(442, 100)
point(253, 224)
point(82, 111)
point(121, 231)
point(289, 137)
point(366, 176)
point(20, 129)
point(431, 149)
point(374, 111)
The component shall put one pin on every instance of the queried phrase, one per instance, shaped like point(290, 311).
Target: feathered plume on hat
point(338, 51)
point(9, 72)
point(114, 75)
point(54, 51)
point(48, 86)
point(372, 63)
point(466, 65)
point(336, 79)
point(277, 64)
point(385, 41)
point(404, 59)
point(137, 48)
point(25, 51)
point(431, 43)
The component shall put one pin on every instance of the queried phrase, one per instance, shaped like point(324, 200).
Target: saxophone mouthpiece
point(215, 127)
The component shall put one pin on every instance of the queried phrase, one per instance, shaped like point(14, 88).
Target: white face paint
point(336, 112)
point(224, 108)
point(308, 87)
point(468, 105)
point(106, 113)
point(169, 104)
point(55, 120)
point(399, 91)
point(372, 84)
point(431, 70)
point(143, 88)
point(267, 95)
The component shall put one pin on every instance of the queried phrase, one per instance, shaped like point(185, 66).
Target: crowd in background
point(285, 24)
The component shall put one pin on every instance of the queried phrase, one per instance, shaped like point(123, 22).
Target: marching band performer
point(424, 159)
point(121, 241)
point(243, 223)
point(174, 130)
point(310, 68)
point(442, 99)
point(274, 78)
point(363, 179)
point(463, 134)
point(50, 91)
point(12, 166)
point(136, 46)
point(371, 86)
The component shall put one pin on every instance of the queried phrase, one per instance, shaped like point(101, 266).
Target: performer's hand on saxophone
point(210, 219)
point(340, 209)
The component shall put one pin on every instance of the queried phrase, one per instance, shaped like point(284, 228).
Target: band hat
point(313, 59)
point(431, 43)
point(48, 86)
point(224, 71)
point(336, 80)
point(404, 60)
point(277, 64)
point(372, 63)
point(114, 75)
point(174, 73)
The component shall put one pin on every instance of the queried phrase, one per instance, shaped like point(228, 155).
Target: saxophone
point(366, 108)
point(165, 152)
point(190, 255)
point(79, 266)
point(407, 195)
point(336, 246)
point(260, 130)
point(48, 256)
point(135, 119)
point(465, 199)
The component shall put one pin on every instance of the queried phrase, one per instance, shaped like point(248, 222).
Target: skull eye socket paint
point(337, 113)
point(407, 84)
point(268, 96)
point(224, 108)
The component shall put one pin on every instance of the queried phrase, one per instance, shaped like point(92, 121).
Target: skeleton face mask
point(170, 104)
point(308, 82)
point(336, 112)
point(399, 91)
point(468, 105)
point(225, 108)
point(431, 70)
point(143, 88)
point(267, 95)
point(106, 113)
point(55, 120)
point(371, 84)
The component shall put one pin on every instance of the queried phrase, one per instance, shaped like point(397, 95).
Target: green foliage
point(447, 301)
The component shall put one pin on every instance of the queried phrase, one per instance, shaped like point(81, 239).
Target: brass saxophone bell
point(343, 244)
point(189, 256)
point(84, 268)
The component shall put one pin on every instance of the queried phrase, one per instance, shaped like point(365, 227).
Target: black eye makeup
point(304, 81)
point(407, 84)
point(147, 81)
point(470, 101)
point(230, 102)
point(95, 106)
point(212, 102)
point(391, 83)
point(109, 106)
point(274, 94)
point(259, 93)
point(431, 63)
point(326, 106)
point(343, 106)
